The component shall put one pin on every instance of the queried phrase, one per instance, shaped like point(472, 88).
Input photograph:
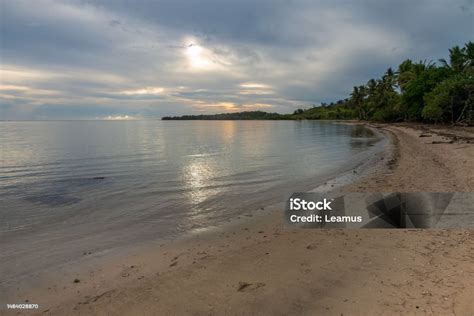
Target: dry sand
point(424, 159)
point(261, 267)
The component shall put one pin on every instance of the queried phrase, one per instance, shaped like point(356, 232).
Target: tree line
point(248, 115)
point(416, 91)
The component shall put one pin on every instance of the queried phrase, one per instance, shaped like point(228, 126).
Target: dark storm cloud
point(88, 59)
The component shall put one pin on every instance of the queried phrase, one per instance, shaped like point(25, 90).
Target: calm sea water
point(72, 186)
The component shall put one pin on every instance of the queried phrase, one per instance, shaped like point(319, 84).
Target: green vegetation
point(417, 92)
point(333, 111)
point(249, 115)
point(421, 91)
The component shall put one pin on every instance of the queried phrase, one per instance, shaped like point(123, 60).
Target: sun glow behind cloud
point(200, 58)
point(197, 58)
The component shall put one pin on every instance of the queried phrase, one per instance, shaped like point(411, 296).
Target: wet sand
point(259, 266)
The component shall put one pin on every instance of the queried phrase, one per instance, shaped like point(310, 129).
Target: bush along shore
point(423, 91)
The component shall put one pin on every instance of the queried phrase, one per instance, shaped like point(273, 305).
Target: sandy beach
point(258, 266)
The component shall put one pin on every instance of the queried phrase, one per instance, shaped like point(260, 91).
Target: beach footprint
point(247, 287)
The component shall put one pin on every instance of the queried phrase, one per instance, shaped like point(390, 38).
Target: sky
point(126, 59)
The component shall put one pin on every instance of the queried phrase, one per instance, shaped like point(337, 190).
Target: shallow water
point(68, 187)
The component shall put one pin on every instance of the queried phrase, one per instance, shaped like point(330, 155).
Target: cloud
point(119, 118)
point(230, 106)
point(251, 85)
point(144, 91)
point(88, 59)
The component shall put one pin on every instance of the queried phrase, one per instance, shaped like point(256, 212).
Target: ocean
point(69, 187)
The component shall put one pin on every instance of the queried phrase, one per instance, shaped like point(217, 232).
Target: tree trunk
point(466, 103)
point(452, 111)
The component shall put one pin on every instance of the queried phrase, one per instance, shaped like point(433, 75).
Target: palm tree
point(371, 86)
point(389, 80)
point(469, 52)
point(409, 71)
point(357, 96)
point(457, 59)
point(405, 74)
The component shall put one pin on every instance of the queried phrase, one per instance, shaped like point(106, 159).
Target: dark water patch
point(53, 200)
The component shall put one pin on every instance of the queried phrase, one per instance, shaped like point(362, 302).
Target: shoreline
point(259, 266)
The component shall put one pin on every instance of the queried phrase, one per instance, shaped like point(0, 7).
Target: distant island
point(248, 115)
point(415, 92)
point(338, 111)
